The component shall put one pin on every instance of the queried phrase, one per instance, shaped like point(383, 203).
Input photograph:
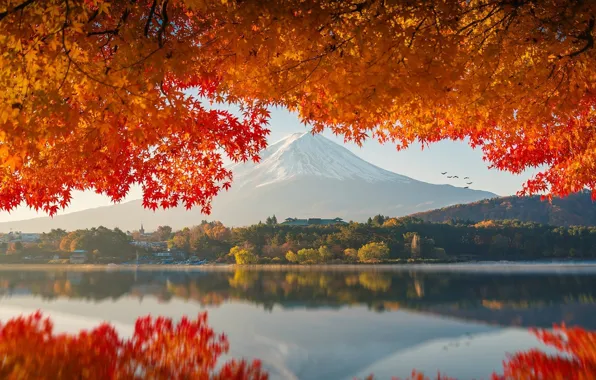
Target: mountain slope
point(302, 175)
point(304, 154)
point(575, 210)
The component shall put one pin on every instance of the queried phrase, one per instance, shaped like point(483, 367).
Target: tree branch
point(150, 17)
point(586, 36)
point(15, 9)
point(164, 23)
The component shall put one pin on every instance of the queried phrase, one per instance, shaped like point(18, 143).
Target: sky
point(426, 165)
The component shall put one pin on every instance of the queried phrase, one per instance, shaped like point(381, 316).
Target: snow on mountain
point(302, 175)
point(305, 154)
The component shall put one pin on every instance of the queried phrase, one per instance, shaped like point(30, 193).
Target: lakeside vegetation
point(380, 240)
point(385, 240)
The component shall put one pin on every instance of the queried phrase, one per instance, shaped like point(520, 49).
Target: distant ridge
point(576, 210)
point(301, 176)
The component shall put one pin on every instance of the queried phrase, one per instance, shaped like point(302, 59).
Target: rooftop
point(312, 221)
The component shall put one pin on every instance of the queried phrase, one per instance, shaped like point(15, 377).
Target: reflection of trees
point(380, 291)
point(416, 286)
point(243, 279)
point(375, 281)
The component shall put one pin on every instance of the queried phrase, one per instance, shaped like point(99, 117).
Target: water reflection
point(498, 299)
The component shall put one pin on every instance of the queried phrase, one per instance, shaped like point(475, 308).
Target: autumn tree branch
point(150, 17)
point(164, 23)
point(16, 9)
point(585, 36)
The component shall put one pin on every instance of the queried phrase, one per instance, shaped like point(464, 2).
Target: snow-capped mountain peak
point(308, 155)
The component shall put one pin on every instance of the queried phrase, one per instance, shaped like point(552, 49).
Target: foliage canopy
point(96, 91)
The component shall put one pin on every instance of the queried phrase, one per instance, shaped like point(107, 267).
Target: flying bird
point(455, 176)
point(466, 177)
point(444, 173)
point(466, 187)
point(469, 183)
point(449, 176)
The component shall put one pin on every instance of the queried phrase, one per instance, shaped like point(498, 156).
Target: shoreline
point(488, 266)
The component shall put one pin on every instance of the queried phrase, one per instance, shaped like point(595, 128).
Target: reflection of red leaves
point(416, 375)
point(158, 349)
point(579, 362)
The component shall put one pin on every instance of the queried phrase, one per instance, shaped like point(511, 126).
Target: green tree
point(373, 252)
point(309, 256)
point(378, 220)
point(243, 256)
point(324, 254)
point(163, 233)
point(180, 241)
point(52, 239)
point(292, 257)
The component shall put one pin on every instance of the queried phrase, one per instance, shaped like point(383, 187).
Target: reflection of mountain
point(297, 344)
point(537, 316)
point(507, 300)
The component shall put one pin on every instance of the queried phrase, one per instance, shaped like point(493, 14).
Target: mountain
point(575, 210)
point(302, 175)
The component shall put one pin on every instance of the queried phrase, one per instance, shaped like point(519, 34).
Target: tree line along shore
point(379, 240)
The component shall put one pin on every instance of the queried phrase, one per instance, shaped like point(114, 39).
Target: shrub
point(324, 254)
point(292, 257)
point(373, 252)
point(308, 256)
point(243, 256)
point(351, 255)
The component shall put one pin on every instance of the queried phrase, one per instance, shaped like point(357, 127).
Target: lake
point(335, 324)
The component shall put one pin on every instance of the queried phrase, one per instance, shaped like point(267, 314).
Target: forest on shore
point(578, 209)
point(379, 240)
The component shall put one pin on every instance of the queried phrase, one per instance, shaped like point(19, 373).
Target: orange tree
point(96, 92)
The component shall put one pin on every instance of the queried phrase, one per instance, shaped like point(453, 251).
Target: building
point(20, 236)
point(171, 254)
point(153, 245)
point(312, 222)
point(142, 234)
point(78, 257)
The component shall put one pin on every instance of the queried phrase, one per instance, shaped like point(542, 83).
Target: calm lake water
point(330, 324)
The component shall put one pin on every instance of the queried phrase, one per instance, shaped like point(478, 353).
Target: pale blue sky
point(425, 165)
